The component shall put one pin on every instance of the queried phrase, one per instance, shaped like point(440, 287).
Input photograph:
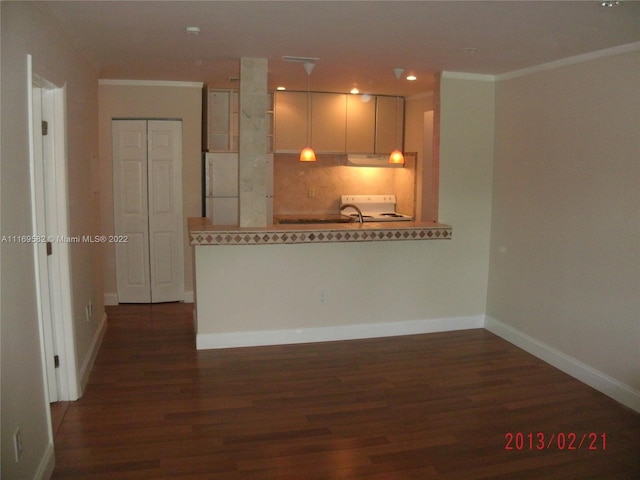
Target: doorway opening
point(148, 215)
point(47, 133)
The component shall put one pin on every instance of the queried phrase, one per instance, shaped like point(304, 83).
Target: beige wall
point(152, 100)
point(26, 30)
point(565, 250)
point(377, 282)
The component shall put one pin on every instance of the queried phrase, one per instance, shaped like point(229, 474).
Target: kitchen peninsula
point(264, 283)
point(297, 283)
point(202, 232)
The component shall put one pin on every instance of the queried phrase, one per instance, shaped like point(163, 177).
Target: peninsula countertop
point(202, 232)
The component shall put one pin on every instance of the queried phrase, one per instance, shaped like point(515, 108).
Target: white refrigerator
point(220, 188)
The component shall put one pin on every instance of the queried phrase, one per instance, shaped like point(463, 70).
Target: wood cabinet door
point(328, 122)
point(290, 111)
point(361, 123)
point(389, 123)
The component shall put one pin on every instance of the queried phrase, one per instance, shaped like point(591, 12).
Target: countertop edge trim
point(293, 236)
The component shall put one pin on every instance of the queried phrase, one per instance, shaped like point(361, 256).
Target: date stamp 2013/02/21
point(555, 440)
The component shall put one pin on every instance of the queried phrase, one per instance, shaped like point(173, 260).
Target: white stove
point(374, 208)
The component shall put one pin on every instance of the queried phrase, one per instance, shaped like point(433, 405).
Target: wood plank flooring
point(436, 406)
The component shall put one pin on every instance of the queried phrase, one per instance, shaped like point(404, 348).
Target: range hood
point(370, 160)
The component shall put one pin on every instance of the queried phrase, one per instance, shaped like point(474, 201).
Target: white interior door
point(147, 169)
point(131, 210)
point(39, 192)
point(165, 210)
point(50, 203)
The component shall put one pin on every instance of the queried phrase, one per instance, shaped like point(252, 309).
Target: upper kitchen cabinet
point(389, 124)
point(340, 123)
point(291, 118)
point(328, 122)
point(361, 123)
point(222, 120)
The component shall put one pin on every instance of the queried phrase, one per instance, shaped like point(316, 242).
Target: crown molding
point(585, 57)
point(478, 77)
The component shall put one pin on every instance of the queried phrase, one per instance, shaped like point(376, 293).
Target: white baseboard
point(329, 334)
point(110, 299)
point(594, 378)
point(47, 464)
point(188, 296)
point(90, 357)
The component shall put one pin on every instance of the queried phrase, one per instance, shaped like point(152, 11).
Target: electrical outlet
point(311, 193)
point(17, 443)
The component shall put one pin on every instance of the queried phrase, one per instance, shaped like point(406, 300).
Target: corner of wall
point(602, 382)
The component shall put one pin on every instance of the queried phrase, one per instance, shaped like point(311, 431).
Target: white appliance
point(221, 191)
point(374, 208)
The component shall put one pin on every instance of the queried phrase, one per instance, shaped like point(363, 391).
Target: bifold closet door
point(147, 186)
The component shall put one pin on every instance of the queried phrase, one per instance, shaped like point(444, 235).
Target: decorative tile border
point(291, 236)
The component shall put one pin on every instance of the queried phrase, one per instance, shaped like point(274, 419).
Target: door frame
point(50, 223)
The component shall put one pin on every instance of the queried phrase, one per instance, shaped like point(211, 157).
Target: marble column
point(253, 143)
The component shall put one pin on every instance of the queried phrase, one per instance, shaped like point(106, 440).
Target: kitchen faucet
point(360, 219)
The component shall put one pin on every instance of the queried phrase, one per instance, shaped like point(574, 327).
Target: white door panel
point(130, 210)
point(148, 210)
point(136, 253)
point(165, 211)
point(162, 188)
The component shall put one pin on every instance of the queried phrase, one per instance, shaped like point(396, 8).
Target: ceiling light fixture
point(290, 58)
point(355, 91)
point(411, 78)
point(307, 154)
point(192, 30)
point(396, 157)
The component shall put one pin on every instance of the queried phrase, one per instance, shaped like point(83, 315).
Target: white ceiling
point(358, 43)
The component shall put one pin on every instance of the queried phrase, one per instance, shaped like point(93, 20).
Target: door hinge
point(49, 248)
point(45, 127)
point(56, 361)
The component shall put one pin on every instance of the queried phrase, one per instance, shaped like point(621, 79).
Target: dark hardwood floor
point(441, 406)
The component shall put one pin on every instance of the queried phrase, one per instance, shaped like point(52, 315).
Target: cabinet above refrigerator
point(221, 121)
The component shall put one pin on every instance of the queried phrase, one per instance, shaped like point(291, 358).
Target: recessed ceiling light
point(355, 91)
point(411, 78)
point(192, 30)
point(281, 88)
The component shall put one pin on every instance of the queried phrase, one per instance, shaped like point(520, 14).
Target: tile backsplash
point(315, 188)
